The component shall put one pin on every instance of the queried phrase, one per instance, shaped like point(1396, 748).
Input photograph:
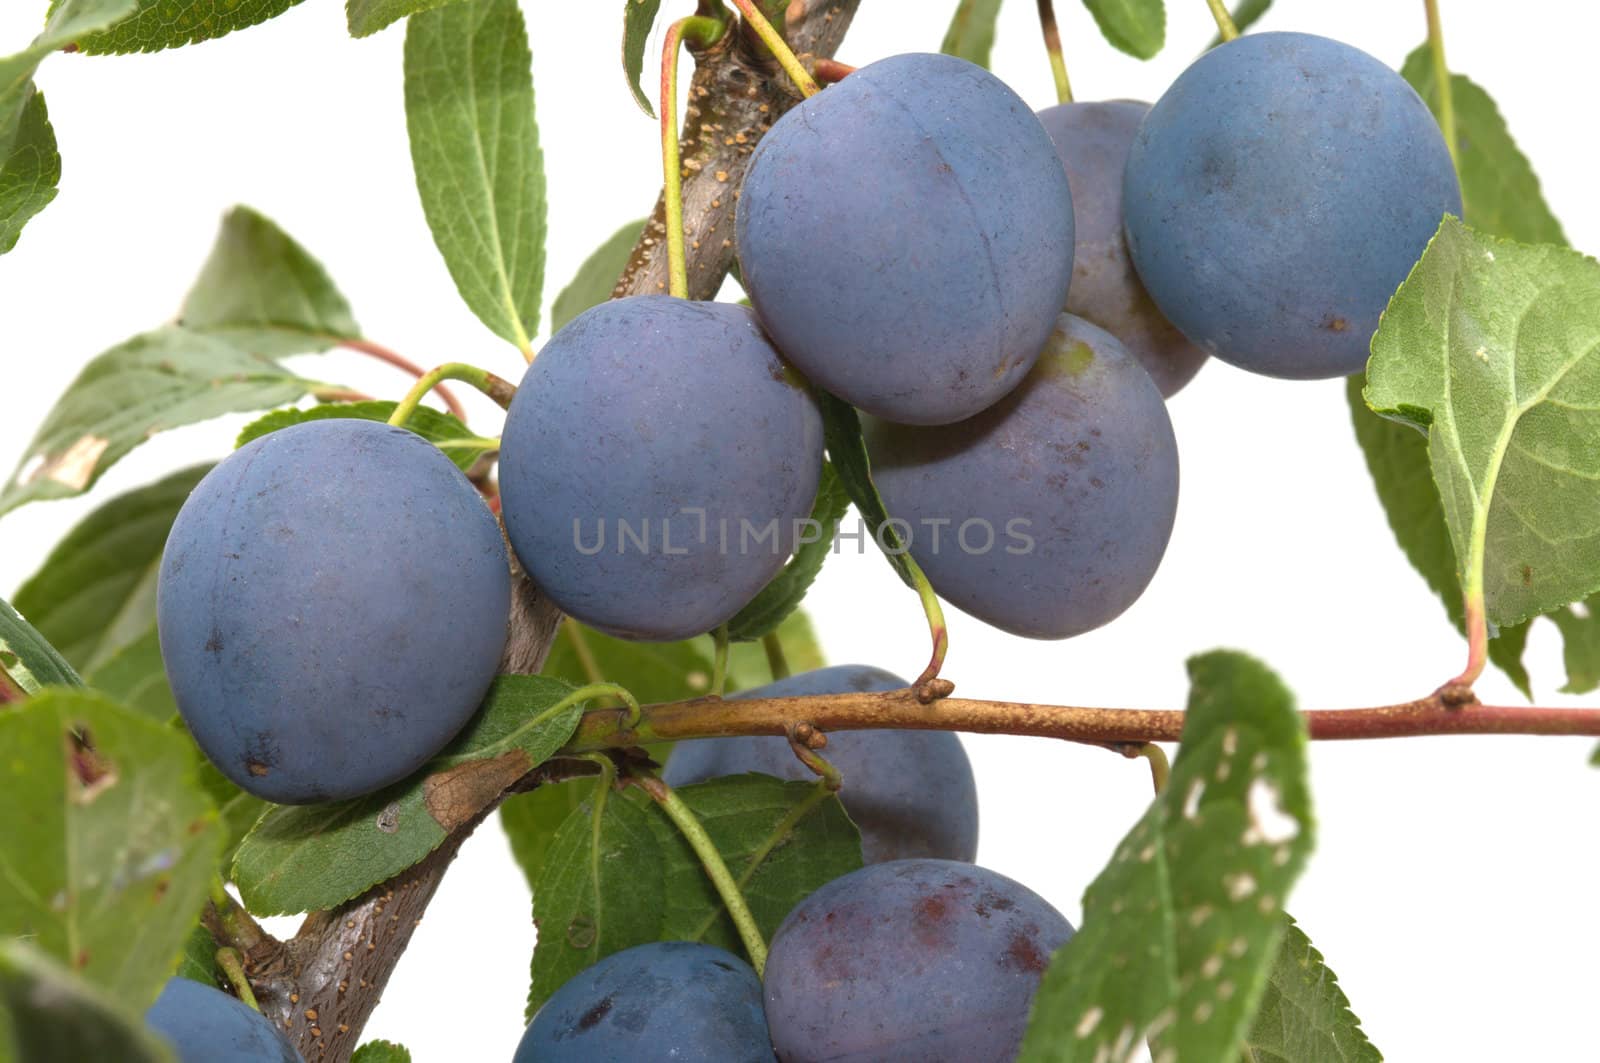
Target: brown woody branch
point(323, 984)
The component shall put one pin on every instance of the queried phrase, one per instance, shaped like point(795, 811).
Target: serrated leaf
point(788, 588)
point(1137, 27)
point(601, 890)
point(151, 383)
point(381, 1052)
point(841, 432)
point(531, 820)
point(1304, 1017)
point(1244, 14)
point(264, 293)
point(161, 24)
point(1494, 348)
point(1397, 458)
point(1181, 928)
point(69, 22)
point(475, 150)
point(198, 961)
point(27, 660)
point(301, 858)
point(48, 1014)
point(107, 843)
point(778, 843)
point(443, 430)
point(366, 17)
point(595, 279)
point(1499, 191)
point(30, 167)
point(971, 32)
point(95, 594)
point(638, 19)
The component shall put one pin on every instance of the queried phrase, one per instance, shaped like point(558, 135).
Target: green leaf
point(1397, 458)
point(46, 1014)
point(1580, 634)
point(264, 293)
point(70, 21)
point(300, 858)
point(1304, 1016)
point(443, 430)
point(1138, 27)
point(841, 432)
point(30, 168)
point(638, 18)
point(366, 17)
point(595, 279)
point(531, 820)
point(1499, 190)
point(779, 842)
point(107, 842)
point(601, 890)
point(475, 149)
point(136, 676)
point(1244, 14)
point(1180, 929)
point(198, 961)
point(971, 32)
point(1494, 348)
point(747, 661)
point(27, 660)
point(238, 810)
point(381, 1051)
point(783, 595)
point(160, 380)
point(95, 594)
point(163, 24)
point(650, 671)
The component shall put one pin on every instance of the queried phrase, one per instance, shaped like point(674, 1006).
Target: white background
point(1453, 886)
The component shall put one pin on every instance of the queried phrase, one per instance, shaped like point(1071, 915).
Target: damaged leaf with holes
point(1181, 928)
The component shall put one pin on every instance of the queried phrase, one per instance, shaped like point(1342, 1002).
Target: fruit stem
point(805, 740)
point(777, 46)
point(1225, 27)
point(777, 662)
point(1052, 47)
point(389, 357)
point(581, 649)
point(1160, 768)
point(1441, 80)
point(231, 965)
point(719, 660)
point(496, 388)
point(705, 32)
point(716, 868)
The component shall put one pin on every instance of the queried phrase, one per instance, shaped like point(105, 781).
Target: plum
point(332, 602)
point(666, 1000)
point(910, 792)
point(906, 238)
point(658, 465)
point(1047, 514)
point(206, 1025)
point(1277, 195)
point(1092, 140)
point(922, 961)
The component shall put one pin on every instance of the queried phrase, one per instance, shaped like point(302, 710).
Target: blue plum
point(667, 1000)
point(206, 1025)
point(910, 792)
point(1276, 196)
point(658, 465)
point(1047, 514)
point(906, 237)
point(332, 602)
point(921, 961)
point(1092, 140)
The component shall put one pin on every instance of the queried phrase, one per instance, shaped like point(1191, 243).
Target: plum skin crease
point(921, 961)
point(1083, 452)
point(332, 602)
point(906, 238)
point(911, 793)
point(660, 410)
point(1277, 195)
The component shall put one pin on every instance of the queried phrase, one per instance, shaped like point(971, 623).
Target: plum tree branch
point(1436, 714)
point(323, 984)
